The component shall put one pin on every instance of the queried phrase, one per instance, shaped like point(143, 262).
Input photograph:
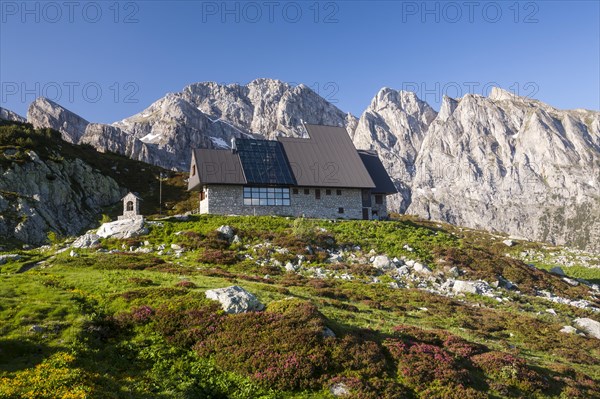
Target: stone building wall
point(228, 200)
point(380, 209)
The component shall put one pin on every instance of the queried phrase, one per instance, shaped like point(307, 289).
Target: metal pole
point(160, 194)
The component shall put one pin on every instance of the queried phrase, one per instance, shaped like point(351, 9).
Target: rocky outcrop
point(124, 228)
point(44, 113)
point(235, 299)
point(8, 115)
point(63, 196)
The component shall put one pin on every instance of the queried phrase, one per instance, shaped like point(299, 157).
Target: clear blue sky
point(135, 52)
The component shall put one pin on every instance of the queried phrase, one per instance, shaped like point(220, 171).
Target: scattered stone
point(290, 267)
point(73, 254)
point(36, 329)
point(588, 326)
point(125, 228)
point(421, 268)
point(176, 247)
point(551, 311)
point(339, 389)
point(236, 239)
point(508, 243)
point(235, 299)
point(558, 271)
point(568, 330)
point(328, 333)
point(454, 272)
point(381, 262)
point(408, 248)
point(461, 286)
point(7, 257)
point(227, 231)
point(570, 281)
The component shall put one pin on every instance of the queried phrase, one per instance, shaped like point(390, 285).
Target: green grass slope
point(116, 323)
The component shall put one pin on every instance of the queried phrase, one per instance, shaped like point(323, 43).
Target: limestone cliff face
point(514, 165)
point(394, 125)
point(45, 113)
point(64, 196)
point(8, 115)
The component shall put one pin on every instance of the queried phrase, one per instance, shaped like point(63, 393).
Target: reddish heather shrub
point(218, 257)
point(421, 364)
point(186, 284)
point(439, 390)
point(283, 351)
point(358, 357)
point(509, 374)
point(183, 322)
point(374, 388)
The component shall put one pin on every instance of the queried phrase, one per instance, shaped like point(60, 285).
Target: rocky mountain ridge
point(501, 162)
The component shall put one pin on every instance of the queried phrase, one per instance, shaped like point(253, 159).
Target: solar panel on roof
point(264, 162)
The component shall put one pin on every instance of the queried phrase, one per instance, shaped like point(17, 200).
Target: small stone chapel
point(131, 207)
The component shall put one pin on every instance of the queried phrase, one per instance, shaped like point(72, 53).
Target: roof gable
point(327, 158)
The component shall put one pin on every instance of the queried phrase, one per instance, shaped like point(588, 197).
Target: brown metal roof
point(383, 183)
point(218, 167)
point(327, 158)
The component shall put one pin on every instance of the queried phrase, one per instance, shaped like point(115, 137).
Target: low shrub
point(509, 374)
point(218, 257)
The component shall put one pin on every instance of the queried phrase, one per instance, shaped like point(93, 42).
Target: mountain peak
point(44, 112)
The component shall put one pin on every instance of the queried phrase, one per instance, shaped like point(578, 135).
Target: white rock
point(382, 262)
point(570, 281)
point(290, 267)
point(176, 247)
point(227, 231)
point(551, 311)
point(86, 241)
point(589, 326)
point(125, 228)
point(558, 271)
point(568, 330)
point(235, 299)
point(421, 268)
point(461, 286)
point(73, 254)
point(339, 389)
point(508, 243)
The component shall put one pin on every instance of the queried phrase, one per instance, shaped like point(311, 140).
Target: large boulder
point(125, 228)
point(588, 326)
point(86, 241)
point(7, 257)
point(235, 299)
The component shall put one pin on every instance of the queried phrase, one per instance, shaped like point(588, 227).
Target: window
point(193, 170)
point(317, 193)
point(378, 199)
point(327, 192)
point(375, 213)
point(338, 192)
point(306, 191)
point(261, 196)
point(202, 195)
point(129, 206)
point(295, 191)
point(340, 210)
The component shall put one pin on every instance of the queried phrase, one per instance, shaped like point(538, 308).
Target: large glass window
point(272, 196)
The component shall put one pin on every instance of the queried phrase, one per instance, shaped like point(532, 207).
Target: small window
point(295, 191)
point(375, 213)
point(306, 191)
point(338, 192)
point(129, 206)
point(327, 192)
point(340, 210)
point(317, 194)
point(378, 199)
point(193, 170)
point(202, 195)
